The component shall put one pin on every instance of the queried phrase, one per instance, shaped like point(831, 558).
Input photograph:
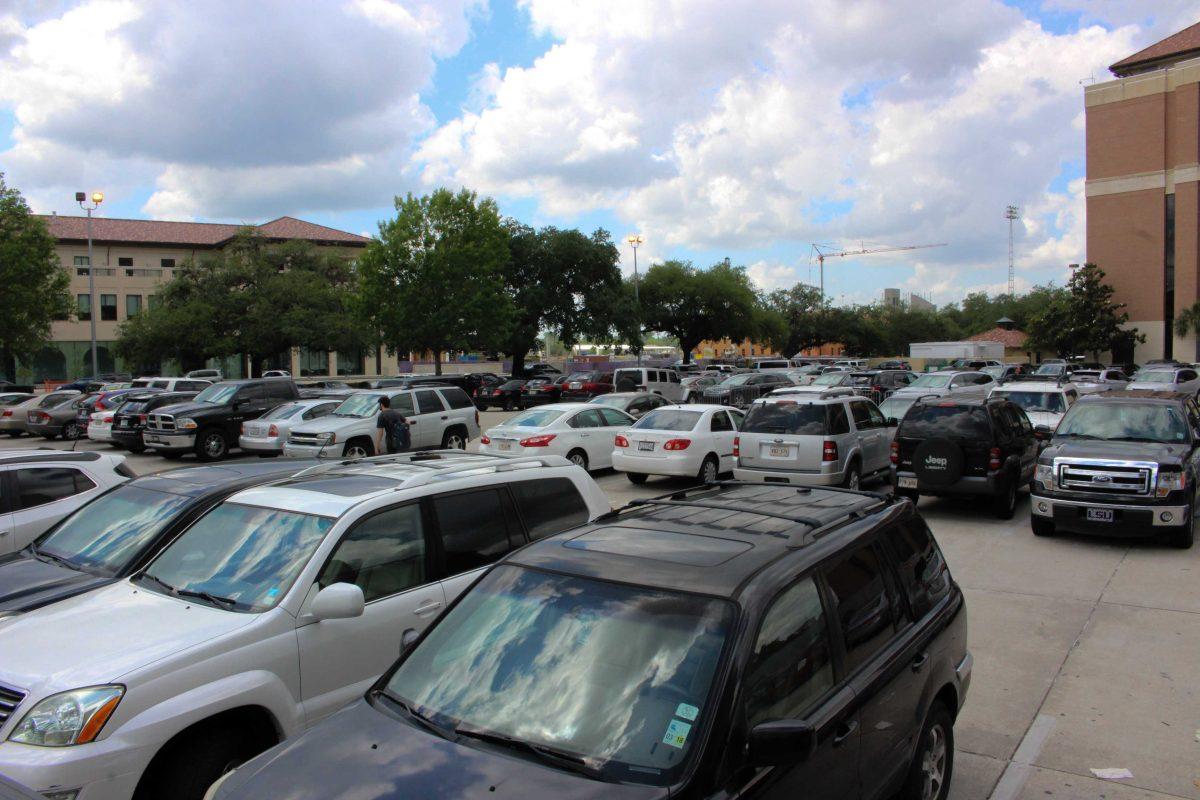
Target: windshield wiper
point(411, 711)
point(208, 597)
point(48, 557)
point(1137, 439)
point(562, 759)
point(168, 587)
point(1075, 436)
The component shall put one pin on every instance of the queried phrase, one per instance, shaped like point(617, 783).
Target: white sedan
point(99, 427)
point(1167, 379)
point(580, 432)
point(684, 440)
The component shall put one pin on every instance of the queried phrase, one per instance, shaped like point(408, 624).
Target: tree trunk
point(437, 361)
point(518, 363)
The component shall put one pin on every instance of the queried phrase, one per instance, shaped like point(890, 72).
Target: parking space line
point(1021, 767)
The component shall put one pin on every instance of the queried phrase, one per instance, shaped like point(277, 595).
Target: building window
point(108, 307)
point(133, 305)
point(1169, 279)
point(167, 263)
point(125, 261)
point(143, 273)
point(84, 301)
point(152, 302)
point(81, 265)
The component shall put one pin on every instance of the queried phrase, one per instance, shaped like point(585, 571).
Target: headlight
point(1170, 482)
point(186, 424)
point(1044, 474)
point(74, 717)
point(326, 438)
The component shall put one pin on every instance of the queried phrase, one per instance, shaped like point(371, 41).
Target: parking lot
point(1087, 652)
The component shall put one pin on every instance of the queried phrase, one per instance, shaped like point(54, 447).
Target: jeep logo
point(934, 461)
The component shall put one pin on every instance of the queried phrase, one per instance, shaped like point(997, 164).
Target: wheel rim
point(356, 451)
point(214, 445)
point(578, 460)
point(853, 482)
point(933, 764)
point(455, 442)
point(709, 473)
point(72, 431)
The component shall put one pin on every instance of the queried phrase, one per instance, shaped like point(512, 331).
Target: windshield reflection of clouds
point(108, 532)
point(1052, 402)
point(947, 422)
point(931, 382)
point(588, 667)
point(1122, 421)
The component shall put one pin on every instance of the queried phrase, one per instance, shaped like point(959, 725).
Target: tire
point(71, 431)
point(1184, 538)
point(188, 765)
point(1006, 504)
point(508, 405)
point(49, 437)
point(454, 439)
point(853, 479)
point(932, 767)
point(578, 458)
point(710, 470)
point(15, 434)
point(211, 445)
point(909, 494)
point(636, 477)
point(1041, 526)
point(358, 448)
point(172, 456)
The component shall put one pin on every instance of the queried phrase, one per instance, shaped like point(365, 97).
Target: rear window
point(669, 419)
point(953, 422)
point(789, 418)
point(549, 506)
point(457, 398)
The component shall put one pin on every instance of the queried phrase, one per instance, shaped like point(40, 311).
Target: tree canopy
point(1083, 319)
point(695, 305)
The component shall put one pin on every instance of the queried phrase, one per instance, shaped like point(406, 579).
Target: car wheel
point(49, 437)
point(709, 470)
point(636, 477)
point(508, 405)
point(357, 448)
point(909, 494)
point(933, 765)
point(71, 431)
point(192, 762)
point(578, 458)
point(211, 446)
point(1006, 503)
point(853, 479)
point(172, 456)
point(16, 434)
point(1041, 526)
point(454, 440)
point(1184, 537)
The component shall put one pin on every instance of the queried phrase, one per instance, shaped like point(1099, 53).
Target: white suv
point(273, 610)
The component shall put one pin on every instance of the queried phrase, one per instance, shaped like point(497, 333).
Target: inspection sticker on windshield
point(677, 733)
point(687, 712)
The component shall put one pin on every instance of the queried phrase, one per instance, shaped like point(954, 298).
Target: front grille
point(1107, 478)
point(303, 438)
point(161, 422)
point(9, 700)
point(713, 399)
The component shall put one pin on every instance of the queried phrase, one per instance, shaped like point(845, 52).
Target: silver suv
point(440, 416)
point(817, 439)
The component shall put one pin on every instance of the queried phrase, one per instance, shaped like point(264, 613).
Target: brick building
point(1143, 189)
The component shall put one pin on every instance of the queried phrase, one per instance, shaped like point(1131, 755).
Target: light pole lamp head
point(97, 197)
point(634, 239)
point(80, 197)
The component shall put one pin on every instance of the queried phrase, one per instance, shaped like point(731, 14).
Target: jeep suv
point(728, 641)
point(209, 424)
point(276, 608)
point(964, 446)
point(829, 438)
point(1122, 463)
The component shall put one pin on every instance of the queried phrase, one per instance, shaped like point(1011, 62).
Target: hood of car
point(189, 409)
point(1173, 454)
point(98, 637)
point(1153, 385)
point(381, 757)
point(331, 424)
point(27, 583)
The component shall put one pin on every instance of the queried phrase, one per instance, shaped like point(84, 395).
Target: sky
point(749, 130)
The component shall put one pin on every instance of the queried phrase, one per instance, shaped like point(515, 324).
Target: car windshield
point(1051, 369)
point(969, 423)
point(217, 394)
point(105, 534)
point(238, 557)
point(995, 372)
point(896, 407)
point(56, 400)
point(931, 382)
point(789, 418)
point(285, 411)
point(579, 376)
point(669, 419)
point(537, 418)
point(1124, 422)
point(1052, 402)
point(359, 405)
point(639, 664)
point(737, 380)
point(830, 379)
point(614, 400)
point(512, 384)
point(1156, 376)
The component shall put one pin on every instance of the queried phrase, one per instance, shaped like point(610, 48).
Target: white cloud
point(768, 276)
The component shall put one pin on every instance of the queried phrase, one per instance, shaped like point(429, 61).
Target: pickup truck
point(1121, 463)
point(209, 424)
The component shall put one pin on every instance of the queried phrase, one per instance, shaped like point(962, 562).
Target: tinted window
point(923, 571)
point(549, 506)
point(457, 398)
point(956, 422)
point(877, 418)
point(473, 529)
point(864, 608)
point(38, 486)
point(253, 392)
point(790, 418)
point(720, 422)
point(586, 419)
point(428, 402)
point(791, 666)
point(1186, 375)
point(383, 555)
point(862, 417)
point(839, 422)
point(612, 417)
point(319, 411)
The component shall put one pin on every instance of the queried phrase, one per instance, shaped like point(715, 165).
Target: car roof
point(1043, 386)
point(711, 540)
point(611, 394)
point(202, 480)
point(1136, 396)
point(40, 456)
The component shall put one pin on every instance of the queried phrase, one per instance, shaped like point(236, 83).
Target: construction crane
point(862, 251)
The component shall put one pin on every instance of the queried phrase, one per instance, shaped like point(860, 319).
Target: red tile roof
point(1185, 42)
point(1006, 337)
point(191, 234)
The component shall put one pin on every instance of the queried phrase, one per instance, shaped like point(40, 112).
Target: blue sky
point(715, 129)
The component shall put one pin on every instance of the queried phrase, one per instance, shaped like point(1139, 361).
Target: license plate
point(149, 437)
point(778, 452)
point(1100, 515)
point(576, 385)
point(645, 446)
point(505, 445)
point(906, 483)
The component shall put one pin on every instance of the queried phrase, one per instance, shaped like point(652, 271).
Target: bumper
point(99, 434)
point(680, 465)
point(813, 478)
point(962, 674)
point(42, 429)
point(1127, 520)
point(967, 485)
point(258, 444)
point(312, 450)
point(170, 442)
point(128, 438)
point(104, 770)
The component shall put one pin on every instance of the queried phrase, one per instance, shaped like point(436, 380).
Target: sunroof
point(675, 548)
point(343, 485)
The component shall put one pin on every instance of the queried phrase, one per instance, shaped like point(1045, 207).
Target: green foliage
point(1083, 319)
point(434, 279)
point(797, 319)
point(34, 288)
point(696, 305)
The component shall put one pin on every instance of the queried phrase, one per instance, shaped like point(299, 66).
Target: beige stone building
point(133, 259)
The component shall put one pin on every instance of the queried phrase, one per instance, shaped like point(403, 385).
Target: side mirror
point(338, 601)
point(407, 640)
point(1043, 432)
point(782, 742)
point(892, 422)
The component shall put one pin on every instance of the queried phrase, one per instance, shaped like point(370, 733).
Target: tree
point(254, 298)
point(806, 316)
point(36, 287)
point(698, 305)
point(1084, 319)
point(434, 279)
point(562, 282)
point(1188, 321)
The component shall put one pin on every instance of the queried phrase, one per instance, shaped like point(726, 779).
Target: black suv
point(129, 420)
point(1122, 463)
point(732, 640)
point(210, 423)
point(964, 446)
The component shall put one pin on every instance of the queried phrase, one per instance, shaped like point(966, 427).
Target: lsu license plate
point(906, 482)
point(1100, 515)
point(504, 445)
point(575, 385)
point(647, 446)
point(778, 452)
point(150, 437)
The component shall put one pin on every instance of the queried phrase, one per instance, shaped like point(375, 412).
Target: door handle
point(919, 661)
point(844, 732)
point(445, 416)
point(427, 608)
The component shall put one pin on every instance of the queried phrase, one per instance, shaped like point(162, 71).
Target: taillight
point(273, 431)
point(876, 388)
point(142, 418)
point(737, 446)
point(621, 441)
point(496, 393)
point(895, 452)
point(6, 414)
point(484, 440)
point(829, 451)
point(108, 420)
point(994, 458)
point(538, 441)
point(677, 444)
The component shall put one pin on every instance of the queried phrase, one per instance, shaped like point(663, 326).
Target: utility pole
point(97, 199)
point(1012, 214)
point(635, 239)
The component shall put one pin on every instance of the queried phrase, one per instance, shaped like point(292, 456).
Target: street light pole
point(635, 239)
point(97, 199)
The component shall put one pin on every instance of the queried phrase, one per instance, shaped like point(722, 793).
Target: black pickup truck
point(208, 425)
point(1121, 463)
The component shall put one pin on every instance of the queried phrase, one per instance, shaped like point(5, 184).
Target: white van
point(663, 382)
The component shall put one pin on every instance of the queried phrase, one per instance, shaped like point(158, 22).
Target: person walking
point(391, 429)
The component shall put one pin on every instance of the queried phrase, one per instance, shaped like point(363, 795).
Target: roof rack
point(414, 457)
point(47, 454)
point(838, 391)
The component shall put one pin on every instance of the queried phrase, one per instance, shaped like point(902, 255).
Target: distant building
point(918, 303)
point(1014, 341)
point(893, 299)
